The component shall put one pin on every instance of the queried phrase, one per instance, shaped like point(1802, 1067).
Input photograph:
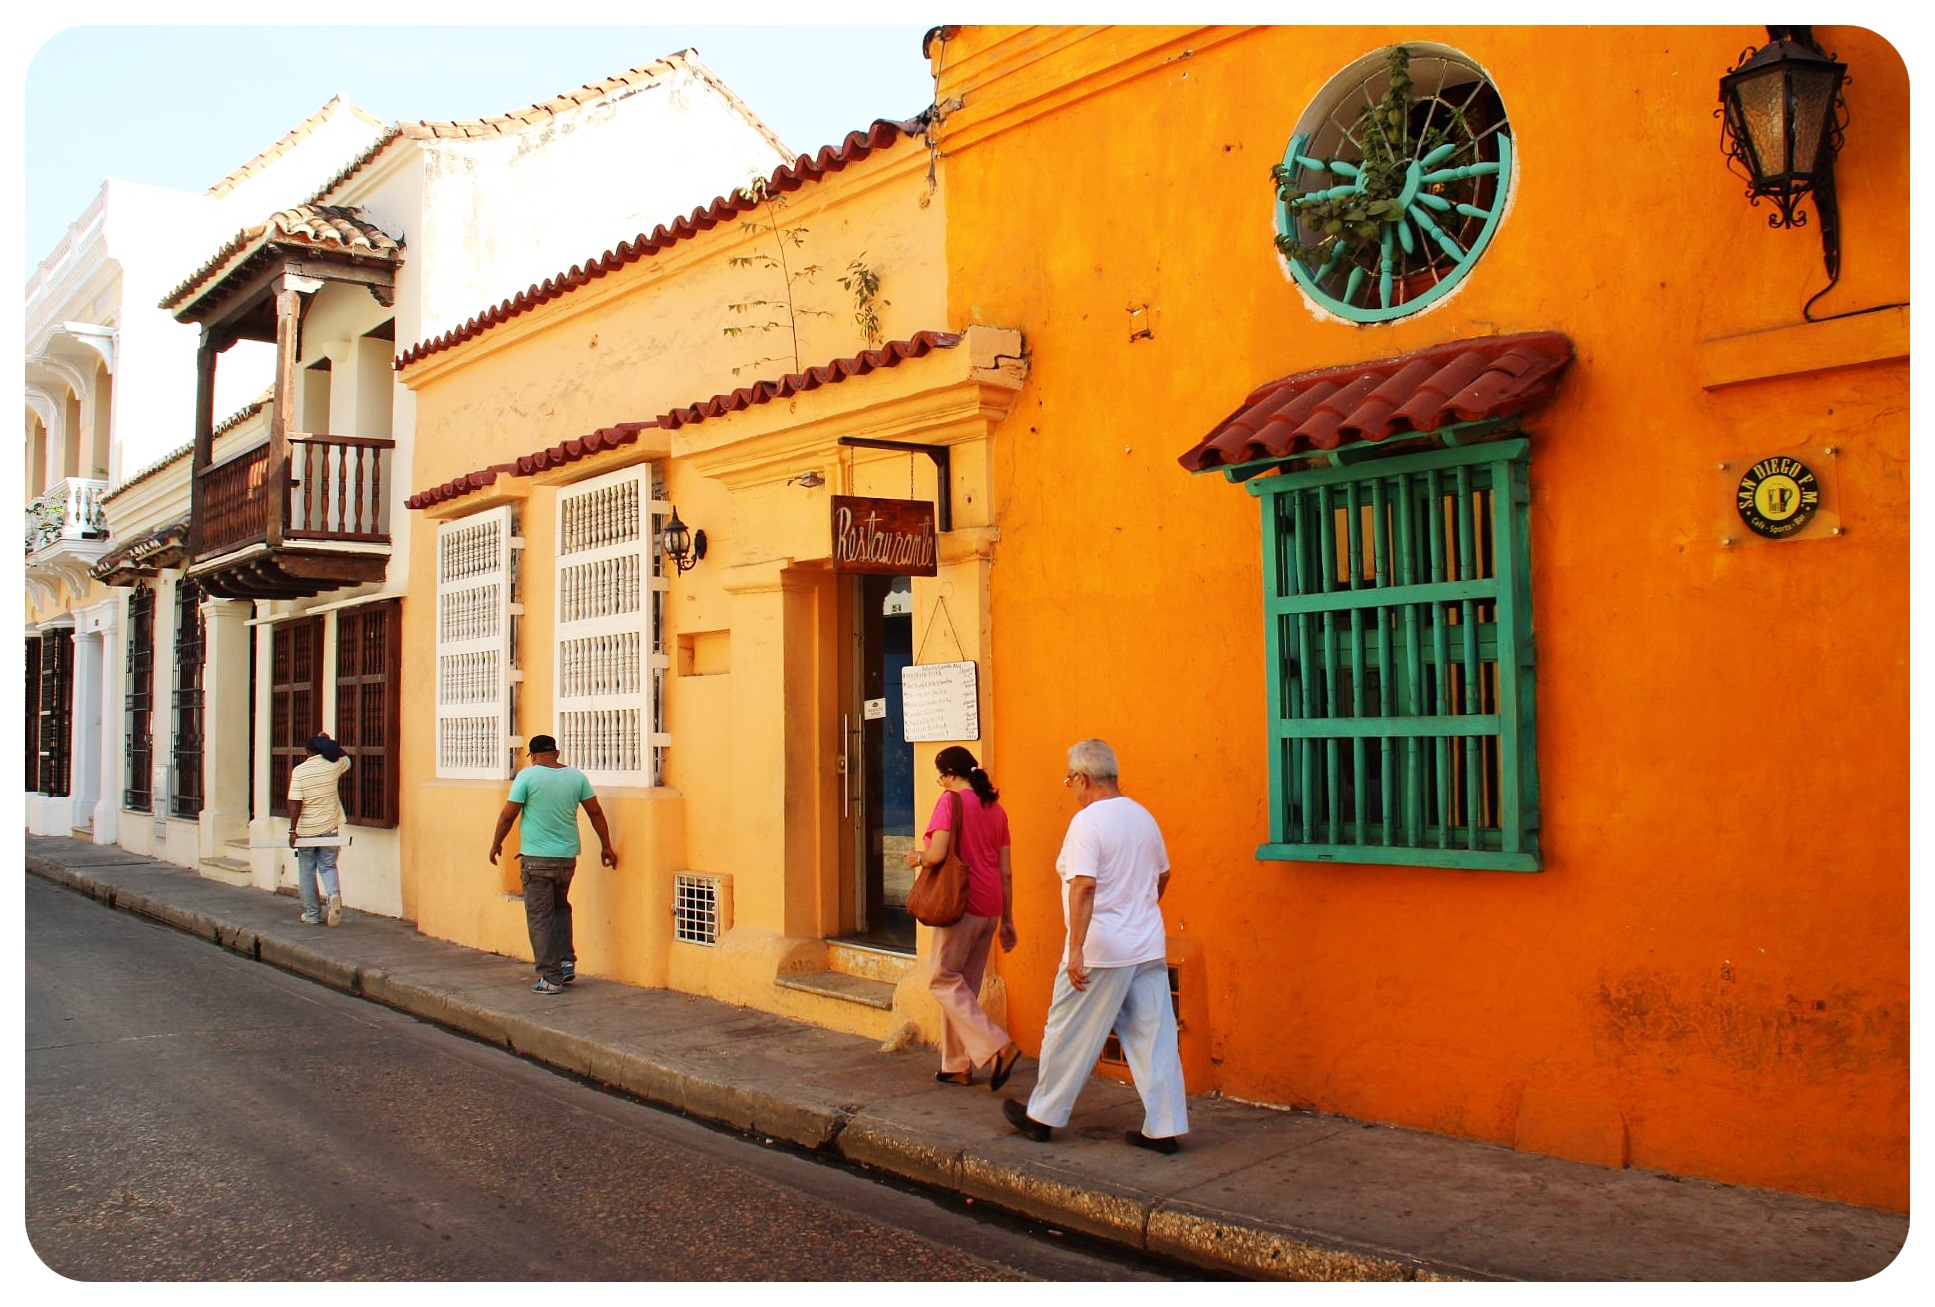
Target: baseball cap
point(541, 744)
point(327, 747)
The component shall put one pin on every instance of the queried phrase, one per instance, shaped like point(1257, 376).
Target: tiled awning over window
point(1459, 381)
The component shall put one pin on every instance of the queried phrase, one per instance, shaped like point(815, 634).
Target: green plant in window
point(1350, 220)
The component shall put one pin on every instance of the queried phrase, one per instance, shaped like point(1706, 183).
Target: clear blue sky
point(183, 106)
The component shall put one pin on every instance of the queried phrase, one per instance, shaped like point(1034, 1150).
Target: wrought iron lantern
point(682, 547)
point(1782, 119)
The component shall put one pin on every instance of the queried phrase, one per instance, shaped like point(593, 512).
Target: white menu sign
point(939, 701)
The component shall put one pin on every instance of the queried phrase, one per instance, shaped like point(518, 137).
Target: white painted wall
point(503, 213)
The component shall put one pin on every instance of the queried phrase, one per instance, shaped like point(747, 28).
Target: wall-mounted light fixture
point(683, 548)
point(807, 480)
point(1782, 119)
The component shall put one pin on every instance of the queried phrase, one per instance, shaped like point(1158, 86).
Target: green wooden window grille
point(1399, 642)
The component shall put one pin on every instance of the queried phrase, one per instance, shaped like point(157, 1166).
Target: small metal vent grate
point(695, 909)
point(1112, 1049)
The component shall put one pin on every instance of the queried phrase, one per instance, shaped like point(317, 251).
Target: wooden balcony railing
point(338, 488)
point(235, 503)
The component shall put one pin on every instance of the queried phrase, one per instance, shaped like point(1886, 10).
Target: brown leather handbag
point(940, 894)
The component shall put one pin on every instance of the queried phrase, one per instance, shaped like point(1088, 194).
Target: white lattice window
point(611, 658)
point(477, 611)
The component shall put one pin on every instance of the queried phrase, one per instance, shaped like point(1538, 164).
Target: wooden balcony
point(322, 525)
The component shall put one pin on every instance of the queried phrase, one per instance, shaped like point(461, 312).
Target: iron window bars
point(138, 786)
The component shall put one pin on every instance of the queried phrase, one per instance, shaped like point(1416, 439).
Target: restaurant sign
point(891, 537)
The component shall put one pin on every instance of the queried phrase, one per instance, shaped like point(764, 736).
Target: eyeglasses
point(1070, 778)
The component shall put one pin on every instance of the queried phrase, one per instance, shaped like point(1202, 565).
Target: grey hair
point(1093, 759)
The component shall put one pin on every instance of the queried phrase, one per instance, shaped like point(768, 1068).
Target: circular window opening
point(1393, 182)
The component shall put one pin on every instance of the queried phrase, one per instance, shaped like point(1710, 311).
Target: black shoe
point(1002, 1070)
point(1017, 1114)
point(1167, 1144)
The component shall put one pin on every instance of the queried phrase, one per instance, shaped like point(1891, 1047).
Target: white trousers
point(1133, 1002)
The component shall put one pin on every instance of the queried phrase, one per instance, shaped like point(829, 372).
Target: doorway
point(877, 796)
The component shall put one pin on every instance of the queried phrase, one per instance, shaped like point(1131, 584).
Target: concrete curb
point(1127, 1219)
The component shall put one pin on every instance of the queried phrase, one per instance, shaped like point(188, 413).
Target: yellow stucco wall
point(1710, 975)
point(748, 772)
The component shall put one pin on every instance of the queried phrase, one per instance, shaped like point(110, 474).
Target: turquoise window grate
point(1398, 637)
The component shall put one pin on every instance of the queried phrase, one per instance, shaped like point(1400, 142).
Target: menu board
point(939, 701)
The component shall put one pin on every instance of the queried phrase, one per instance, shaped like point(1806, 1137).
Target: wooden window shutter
point(369, 658)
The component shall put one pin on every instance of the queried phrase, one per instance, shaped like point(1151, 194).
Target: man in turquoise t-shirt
point(548, 794)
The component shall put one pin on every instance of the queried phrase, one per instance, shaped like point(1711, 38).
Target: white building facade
point(109, 389)
point(277, 522)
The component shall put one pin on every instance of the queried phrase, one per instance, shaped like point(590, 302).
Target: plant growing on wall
point(863, 283)
point(1388, 192)
point(1353, 217)
point(785, 309)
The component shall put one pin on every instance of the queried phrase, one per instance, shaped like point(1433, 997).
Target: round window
point(1393, 182)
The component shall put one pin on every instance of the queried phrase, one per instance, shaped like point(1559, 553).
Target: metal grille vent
point(695, 909)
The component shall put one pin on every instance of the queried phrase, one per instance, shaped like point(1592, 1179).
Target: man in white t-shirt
point(316, 809)
point(1114, 974)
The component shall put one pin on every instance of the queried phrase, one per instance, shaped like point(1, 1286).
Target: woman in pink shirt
point(960, 951)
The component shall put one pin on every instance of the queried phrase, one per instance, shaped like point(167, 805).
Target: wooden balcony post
point(288, 345)
point(204, 439)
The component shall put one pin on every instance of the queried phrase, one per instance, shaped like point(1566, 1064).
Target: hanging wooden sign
point(890, 537)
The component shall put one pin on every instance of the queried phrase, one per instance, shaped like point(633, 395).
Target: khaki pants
point(955, 968)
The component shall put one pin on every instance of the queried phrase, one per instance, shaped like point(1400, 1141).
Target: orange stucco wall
point(747, 765)
point(1710, 974)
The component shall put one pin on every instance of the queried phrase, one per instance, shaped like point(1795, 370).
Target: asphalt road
point(193, 1115)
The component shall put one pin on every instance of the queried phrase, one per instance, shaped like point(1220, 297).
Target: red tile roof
point(144, 555)
point(726, 208)
point(318, 226)
point(1459, 381)
point(625, 433)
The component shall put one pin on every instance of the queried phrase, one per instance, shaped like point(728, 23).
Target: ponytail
point(983, 786)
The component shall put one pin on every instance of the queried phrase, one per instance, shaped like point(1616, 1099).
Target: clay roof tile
point(1459, 381)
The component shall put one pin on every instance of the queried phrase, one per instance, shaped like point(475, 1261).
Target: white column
point(84, 726)
point(225, 724)
point(105, 619)
point(266, 865)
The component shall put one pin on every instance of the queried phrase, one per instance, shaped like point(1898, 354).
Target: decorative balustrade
point(235, 503)
point(339, 488)
point(70, 510)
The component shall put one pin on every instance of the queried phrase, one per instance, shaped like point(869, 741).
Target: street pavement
point(1254, 1191)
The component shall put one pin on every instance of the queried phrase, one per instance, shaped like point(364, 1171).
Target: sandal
point(1002, 1069)
point(955, 1077)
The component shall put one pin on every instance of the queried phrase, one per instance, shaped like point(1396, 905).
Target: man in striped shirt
point(315, 809)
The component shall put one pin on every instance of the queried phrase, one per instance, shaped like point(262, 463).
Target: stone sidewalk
point(1254, 1192)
